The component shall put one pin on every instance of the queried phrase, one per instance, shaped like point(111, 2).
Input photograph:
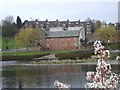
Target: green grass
point(10, 43)
point(114, 46)
point(0, 47)
point(81, 54)
point(22, 53)
point(34, 53)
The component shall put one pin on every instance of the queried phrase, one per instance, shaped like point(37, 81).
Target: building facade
point(60, 25)
point(63, 35)
point(64, 40)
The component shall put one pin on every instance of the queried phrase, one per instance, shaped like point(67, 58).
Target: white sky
point(106, 10)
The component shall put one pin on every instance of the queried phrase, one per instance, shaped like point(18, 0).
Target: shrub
point(114, 46)
point(84, 54)
point(22, 57)
point(113, 55)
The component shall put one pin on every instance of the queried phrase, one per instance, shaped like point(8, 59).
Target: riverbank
point(68, 61)
point(49, 58)
point(28, 55)
point(56, 62)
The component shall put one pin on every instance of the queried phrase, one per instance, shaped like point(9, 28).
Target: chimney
point(67, 20)
point(57, 20)
point(46, 20)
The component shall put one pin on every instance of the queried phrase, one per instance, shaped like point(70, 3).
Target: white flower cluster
point(100, 50)
point(103, 77)
point(61, 86)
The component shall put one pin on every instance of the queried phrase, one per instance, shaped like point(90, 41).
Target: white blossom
point(60, 85)
point(103, 78)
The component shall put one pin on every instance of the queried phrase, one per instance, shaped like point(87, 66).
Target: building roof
point(66, 33)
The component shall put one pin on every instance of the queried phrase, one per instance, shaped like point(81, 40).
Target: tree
point(8, 30)
point(8, 27)
point(30, 37)
point(106, 33)
point(92, 26)
point(98, 24)
point(0, 30)
point(18, 23)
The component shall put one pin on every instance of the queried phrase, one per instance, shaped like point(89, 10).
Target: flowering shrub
point(103, 77)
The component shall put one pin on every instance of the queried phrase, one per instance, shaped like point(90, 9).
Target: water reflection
point(18, 76)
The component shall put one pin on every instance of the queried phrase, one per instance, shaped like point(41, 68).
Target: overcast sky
point(106, 10)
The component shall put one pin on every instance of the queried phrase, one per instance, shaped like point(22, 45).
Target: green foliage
point(84, 54)
point(8, 27)
point(30, 37)
point(26, 36)
point(113, 55)
point(106, 33)
point(0, 43)
point(98, 24)
point(25, 53)
point(23, 56)
point(114, 46)
point(8, 43)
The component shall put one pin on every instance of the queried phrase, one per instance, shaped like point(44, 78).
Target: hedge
point(17, 57)
point(84, 54)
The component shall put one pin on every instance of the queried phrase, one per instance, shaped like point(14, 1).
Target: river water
point(15, 75)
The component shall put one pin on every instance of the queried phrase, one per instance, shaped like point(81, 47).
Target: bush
point(22, 57)
point(113, 55)
point(84, 54)
point(114, 46)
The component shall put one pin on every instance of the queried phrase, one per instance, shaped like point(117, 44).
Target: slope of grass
point(0, 42)
point(34, 53)
point(10, 44)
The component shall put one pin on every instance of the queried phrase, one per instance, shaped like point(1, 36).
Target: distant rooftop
point(65, 33)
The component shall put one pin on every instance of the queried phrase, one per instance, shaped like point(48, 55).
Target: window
point(88, 23)
point(75, 43)
point(74, 38)
point(76, 22)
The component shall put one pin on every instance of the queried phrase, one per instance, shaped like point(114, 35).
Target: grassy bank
point(60, 55)
point(29, 55)
point(34, 53)
point(67, 61)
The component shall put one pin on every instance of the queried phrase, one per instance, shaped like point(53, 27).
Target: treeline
point(15, 36)
point(9, 27)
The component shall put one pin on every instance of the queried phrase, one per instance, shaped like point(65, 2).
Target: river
point(16, 74)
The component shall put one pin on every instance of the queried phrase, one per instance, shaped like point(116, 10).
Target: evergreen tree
point(18, 22)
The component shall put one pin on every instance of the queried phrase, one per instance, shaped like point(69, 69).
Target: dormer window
point(76, 22)
point(37, 23)
point(47, 22)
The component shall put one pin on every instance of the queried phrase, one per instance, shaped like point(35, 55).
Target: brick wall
point(70, 43)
